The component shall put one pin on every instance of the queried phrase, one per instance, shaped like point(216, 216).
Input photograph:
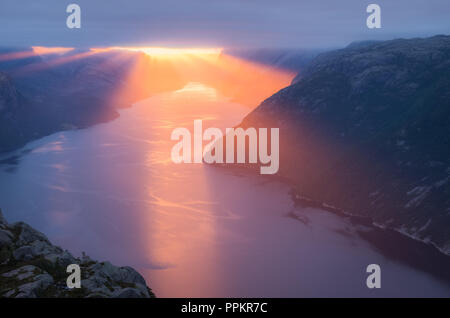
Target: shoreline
point(390, 242)
point(417, 248)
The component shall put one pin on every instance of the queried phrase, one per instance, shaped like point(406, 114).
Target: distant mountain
point(37, 99)
point(289, 59)
point(367, 129)
point(40, 96)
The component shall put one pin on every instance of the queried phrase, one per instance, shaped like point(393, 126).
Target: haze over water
point(192, 230)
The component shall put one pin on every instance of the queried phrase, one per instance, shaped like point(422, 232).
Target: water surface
point(192, 230)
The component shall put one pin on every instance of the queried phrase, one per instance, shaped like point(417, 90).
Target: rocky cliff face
point(30, 266)
point(8, 94)
point(11, 106)
point(367, 129)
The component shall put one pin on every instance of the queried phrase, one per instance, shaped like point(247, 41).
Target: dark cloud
point(250, 23)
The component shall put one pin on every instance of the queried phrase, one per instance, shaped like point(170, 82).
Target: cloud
point(226, 23)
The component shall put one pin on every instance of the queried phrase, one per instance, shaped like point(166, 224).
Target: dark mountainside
point(40, 96)
point(287, 59)
point(38, 103)
point(366, 129)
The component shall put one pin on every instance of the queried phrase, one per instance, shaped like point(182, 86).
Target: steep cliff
point(367, 129)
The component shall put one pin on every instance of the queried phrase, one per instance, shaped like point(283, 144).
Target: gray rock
point(96, 283)
point(28, 234)
point(64, 258)
point(37, 248)
point(22, 273)
point(32, 289)
point(9, 293)
point(23, 253)
point(124, 274)
point(98, 279)
point(144, 290)
point(5, 237)
point(128, 293)
point(129, 275)
point(45, 248)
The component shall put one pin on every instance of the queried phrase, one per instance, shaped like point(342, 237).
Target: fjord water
point(192, 230)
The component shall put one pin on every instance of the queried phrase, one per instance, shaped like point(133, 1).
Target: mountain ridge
point(366, 129)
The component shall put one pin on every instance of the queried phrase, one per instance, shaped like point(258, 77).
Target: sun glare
point(166, 52)
point(42, 50)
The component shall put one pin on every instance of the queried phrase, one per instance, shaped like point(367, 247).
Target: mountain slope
point(39, 97)
point(367, 129)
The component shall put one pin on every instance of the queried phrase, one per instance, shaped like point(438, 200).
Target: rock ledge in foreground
point(30, 266)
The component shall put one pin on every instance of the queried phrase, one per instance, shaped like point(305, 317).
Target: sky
point(217, 23)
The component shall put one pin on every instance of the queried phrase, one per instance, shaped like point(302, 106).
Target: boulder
point(28, 234)
point(22, 272)
point(125, 274)
point(64, 258)
point(32, 289)
point(5, 237)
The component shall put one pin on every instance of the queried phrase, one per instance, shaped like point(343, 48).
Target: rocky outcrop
point(366, 129)
point(30, 266)
point(8, 93)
